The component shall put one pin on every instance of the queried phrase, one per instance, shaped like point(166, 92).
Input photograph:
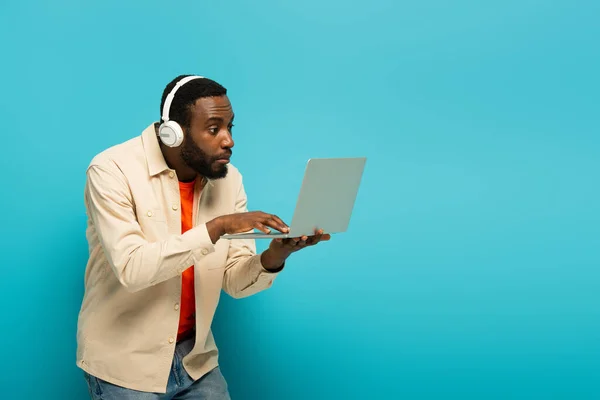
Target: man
point(157, 207)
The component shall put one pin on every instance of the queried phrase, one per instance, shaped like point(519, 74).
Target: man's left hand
point(280, 249)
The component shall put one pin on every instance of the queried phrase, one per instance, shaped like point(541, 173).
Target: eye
point(214, 130)
point(231, 127)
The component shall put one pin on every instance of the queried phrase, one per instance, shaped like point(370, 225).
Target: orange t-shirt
point(187, 317)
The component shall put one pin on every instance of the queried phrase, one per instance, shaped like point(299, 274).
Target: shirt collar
point(154, 157)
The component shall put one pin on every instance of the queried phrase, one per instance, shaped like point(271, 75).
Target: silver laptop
point(325, 201)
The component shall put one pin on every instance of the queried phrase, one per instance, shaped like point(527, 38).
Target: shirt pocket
point(153, 224)
point(152, 214)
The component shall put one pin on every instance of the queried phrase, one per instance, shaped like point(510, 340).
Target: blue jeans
point(181, 386)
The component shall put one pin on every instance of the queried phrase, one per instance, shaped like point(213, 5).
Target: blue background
point(470, 270)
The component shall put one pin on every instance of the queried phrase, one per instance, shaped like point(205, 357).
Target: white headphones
point(170, 132)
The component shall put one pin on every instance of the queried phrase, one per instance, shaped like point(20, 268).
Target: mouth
point(224, 159)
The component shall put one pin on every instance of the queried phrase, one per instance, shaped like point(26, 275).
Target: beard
point(195, 158)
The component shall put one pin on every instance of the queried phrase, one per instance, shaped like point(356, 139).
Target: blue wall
point(471, 267)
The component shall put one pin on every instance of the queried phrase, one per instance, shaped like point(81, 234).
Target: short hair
point(186, 96)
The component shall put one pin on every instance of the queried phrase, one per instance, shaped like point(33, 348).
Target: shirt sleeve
point(244, 272)
point(136, 262)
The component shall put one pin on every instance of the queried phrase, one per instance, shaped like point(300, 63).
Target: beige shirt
point(128, 322)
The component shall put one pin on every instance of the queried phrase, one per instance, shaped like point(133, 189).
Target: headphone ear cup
point(170, 133)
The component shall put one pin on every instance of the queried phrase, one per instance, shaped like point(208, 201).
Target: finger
point(321, 238)
point(298, 243)
point(283, 226)
point(313, 240)
point(291, 242)
point(261, 227)
point(316, 238)
point(275, 224)
point(297, 240)
point(302, 240)
point(325, 237)
point(271, 220)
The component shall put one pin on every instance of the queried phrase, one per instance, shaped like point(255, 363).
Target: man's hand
point(244, 222)
point(280, 249)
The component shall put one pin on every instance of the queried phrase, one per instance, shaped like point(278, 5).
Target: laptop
point(326, 199)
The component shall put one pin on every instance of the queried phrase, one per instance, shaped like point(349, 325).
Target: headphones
point(170, 132)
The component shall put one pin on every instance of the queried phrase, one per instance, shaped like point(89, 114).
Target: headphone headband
point(171, 95)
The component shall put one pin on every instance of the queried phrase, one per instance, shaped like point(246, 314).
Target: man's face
point(206, 147)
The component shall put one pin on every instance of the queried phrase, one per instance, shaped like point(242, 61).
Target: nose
point(227, 142)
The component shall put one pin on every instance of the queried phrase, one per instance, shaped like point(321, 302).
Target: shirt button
point(171, 174)
point(176, 306)
point(174, 207)
point(204, 252)
point(149, 213)
point(171, 340)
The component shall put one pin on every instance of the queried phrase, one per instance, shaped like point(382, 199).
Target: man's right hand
point(244, 222)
